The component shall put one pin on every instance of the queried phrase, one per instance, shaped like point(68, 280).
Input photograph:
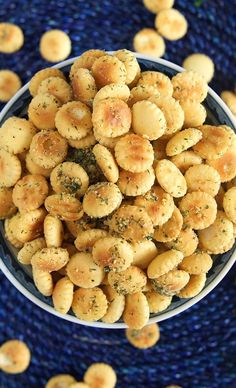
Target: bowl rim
point(164, 315)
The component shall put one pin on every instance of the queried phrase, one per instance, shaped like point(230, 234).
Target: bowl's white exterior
point(164, 315)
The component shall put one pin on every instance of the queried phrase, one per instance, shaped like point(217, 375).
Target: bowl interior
point(21, 276)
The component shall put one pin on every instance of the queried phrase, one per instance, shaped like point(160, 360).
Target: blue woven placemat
point(198, 348)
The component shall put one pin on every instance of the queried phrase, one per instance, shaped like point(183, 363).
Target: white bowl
point(20, 277)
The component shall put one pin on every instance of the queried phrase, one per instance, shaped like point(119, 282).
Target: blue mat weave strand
point(198, 348)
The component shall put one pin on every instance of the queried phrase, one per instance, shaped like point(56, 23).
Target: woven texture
point(198, 348)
